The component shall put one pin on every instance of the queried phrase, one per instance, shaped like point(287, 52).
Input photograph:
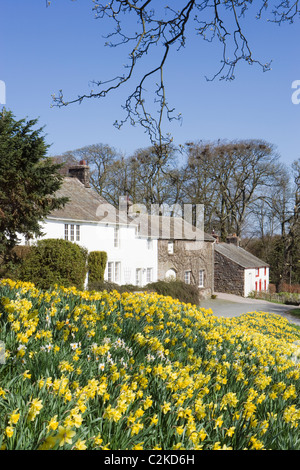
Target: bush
point(176, 289)
point(96, 266)
point(55, 261)
point(18, 254)
point(111, 286)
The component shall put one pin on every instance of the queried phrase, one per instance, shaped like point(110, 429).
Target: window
point(66, 232)
point(70, 232)
point(265, 271)
point(170, 248)
point(114, 271)
point(187, 277)
point(149, 274)
point(257, 272)
point(117, 271)
point(138, 277)
point(116, 237)
point(149, 244)
point(110, 271)
point(77, 233)
point(201, 278)
point(127, 276)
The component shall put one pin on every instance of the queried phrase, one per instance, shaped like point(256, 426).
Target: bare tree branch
point(162, 28)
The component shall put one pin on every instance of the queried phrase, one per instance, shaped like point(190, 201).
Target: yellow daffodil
point(65, 435)
point(9, 430)
point(80, 445)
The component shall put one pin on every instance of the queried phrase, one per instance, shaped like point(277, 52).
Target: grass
point(118, 371)
point(295, 312)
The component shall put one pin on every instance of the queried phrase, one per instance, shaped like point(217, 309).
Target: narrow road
point(229, 305)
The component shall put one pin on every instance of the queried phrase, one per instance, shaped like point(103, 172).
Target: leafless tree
point(235, 175)
point(152, 30)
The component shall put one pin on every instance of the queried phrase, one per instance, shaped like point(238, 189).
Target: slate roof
point(86, 205)
point(239, 256)
point(171, 228)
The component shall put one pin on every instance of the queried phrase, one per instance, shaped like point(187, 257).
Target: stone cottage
point(184, 252)
point(236, 271)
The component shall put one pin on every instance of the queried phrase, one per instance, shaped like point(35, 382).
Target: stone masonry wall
point(229, 276)
point(188, 256)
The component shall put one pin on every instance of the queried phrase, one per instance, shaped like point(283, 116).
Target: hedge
point(96, 267)
point(55, 261)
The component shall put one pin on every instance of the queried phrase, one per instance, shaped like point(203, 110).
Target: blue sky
point(44, 50)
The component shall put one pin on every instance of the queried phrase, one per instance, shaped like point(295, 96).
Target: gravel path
point(229, 305)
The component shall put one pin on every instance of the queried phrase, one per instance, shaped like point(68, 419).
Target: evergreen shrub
point(55, 261)
point(112, 286)
point(96, 267)
point(187, 293)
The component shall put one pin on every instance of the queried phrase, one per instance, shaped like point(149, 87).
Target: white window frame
point(170, 247)
point(201, 277)
point(117, 272)
point(78, 233)
point(117, 237)
point(127, 275)
point(138, 276)
point(114, 271)
point(66, 232)
point(110, 271)
point(72, 233)
point(187, 277)
point(149, 275)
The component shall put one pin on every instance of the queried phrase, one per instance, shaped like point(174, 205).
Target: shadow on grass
point(295, 312)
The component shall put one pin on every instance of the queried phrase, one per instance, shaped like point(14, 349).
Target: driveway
point(229, 305)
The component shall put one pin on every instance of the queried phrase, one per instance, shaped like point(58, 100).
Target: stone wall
point(229, 276)
point(191, 256)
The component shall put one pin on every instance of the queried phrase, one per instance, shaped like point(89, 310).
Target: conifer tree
point(28, 182)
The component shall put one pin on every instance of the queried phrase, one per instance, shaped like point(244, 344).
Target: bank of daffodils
point(141, 371)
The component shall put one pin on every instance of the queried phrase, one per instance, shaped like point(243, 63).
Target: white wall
point(256, 280)
point(132, 253)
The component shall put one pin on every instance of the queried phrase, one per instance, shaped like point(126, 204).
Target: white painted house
point(91, 222)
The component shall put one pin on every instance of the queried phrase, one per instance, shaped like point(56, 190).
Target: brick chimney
point(234, 239)
point(81, 172)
